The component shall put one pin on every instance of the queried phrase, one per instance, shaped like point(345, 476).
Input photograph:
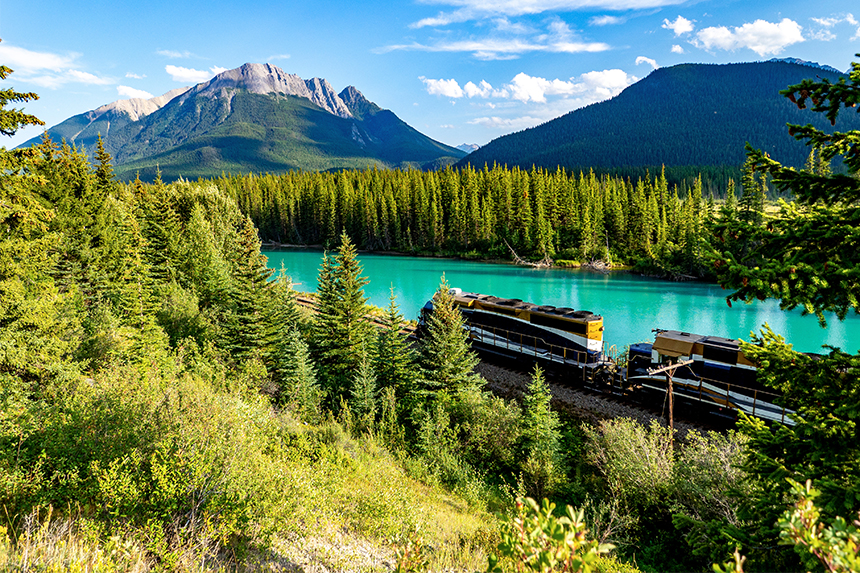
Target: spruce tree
point(541, 456)
point(807, 256)
point(340, 333)
point(394, 361)
point(246, 332)
point(446, 360)
point(363, 399)
point(299, 388)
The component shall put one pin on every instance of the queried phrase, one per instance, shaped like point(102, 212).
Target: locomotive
point(706, 370)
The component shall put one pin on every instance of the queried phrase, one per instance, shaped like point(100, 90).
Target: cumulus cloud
point(649, 61)
point(466, 10)
point(190, 75)
point(126, 91)
point(679, 26)
point(760, 36)
point(135, 76)
point(446, 88)
point(484, 90)
point(593, 86)
point(676, 49)
point(174, 54)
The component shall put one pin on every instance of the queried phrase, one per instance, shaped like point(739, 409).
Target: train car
point(513, 328)
point(719, 374)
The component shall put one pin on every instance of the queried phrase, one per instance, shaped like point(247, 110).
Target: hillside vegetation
point(165, 405)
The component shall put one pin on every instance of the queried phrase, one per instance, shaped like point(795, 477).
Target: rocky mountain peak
point(269, 79)
point(357, 103)
point(136, 108)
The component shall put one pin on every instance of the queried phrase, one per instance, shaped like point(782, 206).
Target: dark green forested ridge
point(688, 115)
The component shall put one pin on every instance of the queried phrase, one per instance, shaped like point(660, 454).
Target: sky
point(460, 71)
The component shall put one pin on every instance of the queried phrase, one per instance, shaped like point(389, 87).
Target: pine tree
point(394, 362)
point(808, 256)
point(299, 388)
point(363, 399)
point(541, 456)
point(246, 332)
point(11, 120)
point(446, 360)
point(341, 333)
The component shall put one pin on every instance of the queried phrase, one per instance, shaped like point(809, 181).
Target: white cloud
point(760, 36)
point(590, 87)
point(87, 78)
point(174, 54)
point(278, 57)
point(508, 42)
point(495, 122)
point(500, 49)
point(25, 61)
point(826, 24)
point(676, 49)
point(446, 88)
point(606, 20)
point(135, 76)
point(649, 61)
point(46, 69)
point(190, 75)
point(680, 26)
point(126, 91)
point(504, 25)
point(466, 10)
point(446, 126)
point(600, 85)
point(597, 85)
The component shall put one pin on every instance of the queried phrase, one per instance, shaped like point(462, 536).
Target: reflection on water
point(631, 305)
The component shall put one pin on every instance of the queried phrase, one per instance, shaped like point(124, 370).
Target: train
point(707, 371)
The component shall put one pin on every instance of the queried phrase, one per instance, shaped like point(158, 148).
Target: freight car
point(570, 342)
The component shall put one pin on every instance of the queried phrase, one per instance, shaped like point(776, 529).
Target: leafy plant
point(536, 540)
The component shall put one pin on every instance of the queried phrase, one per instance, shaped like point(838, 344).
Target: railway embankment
point(579, 403)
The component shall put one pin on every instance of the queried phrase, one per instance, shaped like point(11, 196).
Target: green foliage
point(837, 545)
point(446, 359)
point(537, 540)
point(807, 255)
point(637, 461)
point(541, 462)
point(341, 334)
point(13, 119)
point(822, 445)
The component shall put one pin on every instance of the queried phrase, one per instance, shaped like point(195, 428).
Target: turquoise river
point(631, 305)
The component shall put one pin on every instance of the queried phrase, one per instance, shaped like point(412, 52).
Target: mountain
point(468, 147)
point(255, 118)
point(685, 115)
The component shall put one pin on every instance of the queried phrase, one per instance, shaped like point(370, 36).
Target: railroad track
point(311, 304)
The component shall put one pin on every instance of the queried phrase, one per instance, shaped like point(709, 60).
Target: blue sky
point(460, 71)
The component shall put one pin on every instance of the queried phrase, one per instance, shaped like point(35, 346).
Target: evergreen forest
point(166, 405)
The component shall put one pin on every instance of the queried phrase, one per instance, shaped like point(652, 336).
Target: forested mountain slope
point(254, 118)
point(684, 115)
